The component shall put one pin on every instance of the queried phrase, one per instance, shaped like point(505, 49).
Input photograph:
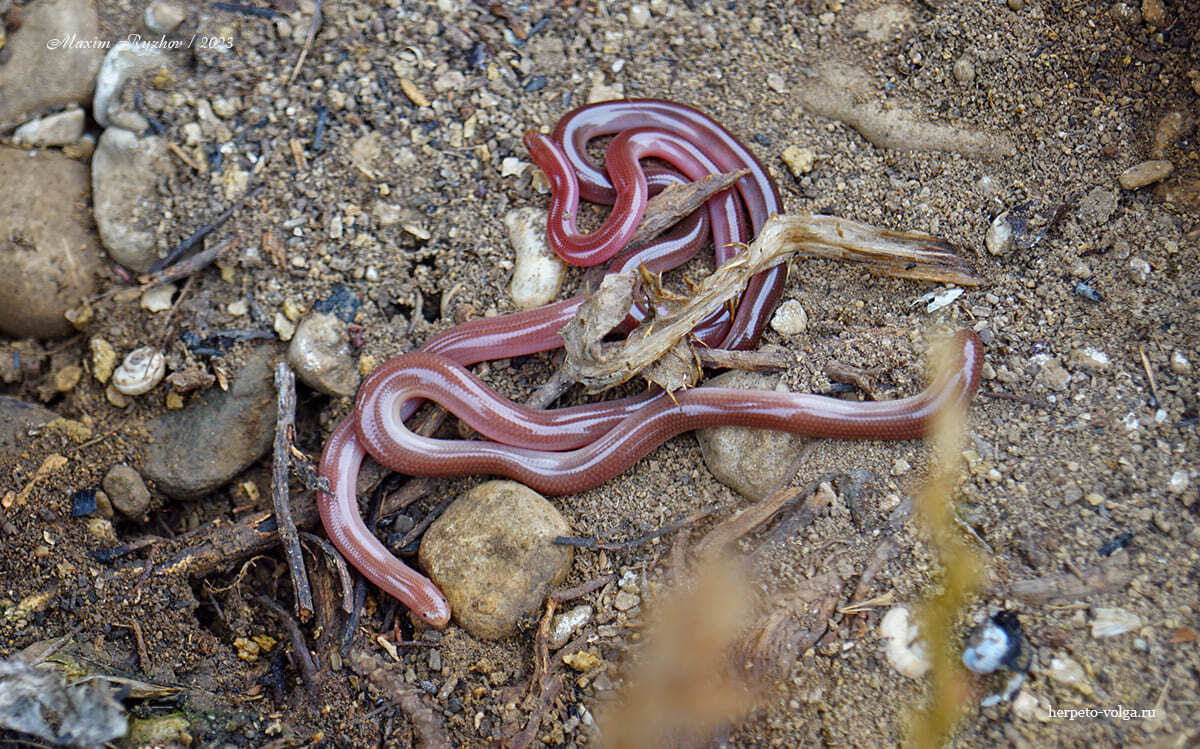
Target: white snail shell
point(142, 369)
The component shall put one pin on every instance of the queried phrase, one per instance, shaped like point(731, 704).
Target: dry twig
point(285, 425)
point(304, 661)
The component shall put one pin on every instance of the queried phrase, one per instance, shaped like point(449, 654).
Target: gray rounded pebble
point(217, 436)
point(492, 554)
point(49, 252)
point(125, 174)
point(752, 462)
point(321, 355)
point(36, 77)
point(126, 491)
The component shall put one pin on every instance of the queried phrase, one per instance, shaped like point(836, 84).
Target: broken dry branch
point(599, 365)
point(285, 425)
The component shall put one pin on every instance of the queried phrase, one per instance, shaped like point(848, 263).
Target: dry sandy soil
point(932, 116)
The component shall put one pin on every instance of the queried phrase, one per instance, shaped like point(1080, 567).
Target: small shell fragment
point(936, 300)
point(141, 370)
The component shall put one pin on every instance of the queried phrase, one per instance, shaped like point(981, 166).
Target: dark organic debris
point(1086, 290)
point(83, 502)
point(1031, 222)
point(341, 303)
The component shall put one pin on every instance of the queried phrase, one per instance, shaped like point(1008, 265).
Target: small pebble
point(799, 161)
point(537, 273)
point(776, 83)
point(1145, 173)
point(1067, 671)
point(164, 16)
point(141, 370)
point(583, 660)
point(1178, 482)
point(964, 70)
point(900, 467)
point(639, 16)
point(1090, 358)
point(237, 308)
point(511, 166)
point(624, 601)
point(284, 328)
point(1028, 707)
point(565, 625)
point(1053, 375)
point(126, 490)
point(1139, 270)
point(1154, 13)
point(59, 129)
point(321, 355)
point(158, 298)
point(1113, 621)
point(103, 504)
point(790, 318)
point(1179, 363)
point(66, 378)
point(1016, 5)
point(999, 238)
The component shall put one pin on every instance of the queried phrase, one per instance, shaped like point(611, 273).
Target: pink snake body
point(568, 450)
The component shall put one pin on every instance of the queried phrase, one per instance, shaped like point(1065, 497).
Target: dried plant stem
point(962, 569)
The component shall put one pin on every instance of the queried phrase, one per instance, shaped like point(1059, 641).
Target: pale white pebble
point(141, 370)
point(1139, 269)
point(163, 16)
point(1180, 363)
point(1090, 358)
point(511, 165)
point(1068, 671)
point(284, 327)
point(999, 237)
point(777, 83)
point(237, 308)
point(1112, 621)
point(902, 644)
point(639, 16)
point(59, 129)
point(790, 318)
point(567, 624)
point(900, 467)
point(1028, 707)
point(538, 273)
point(158, 298)
point(1178, 483)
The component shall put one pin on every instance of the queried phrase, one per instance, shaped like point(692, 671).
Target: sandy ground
point(932, 116)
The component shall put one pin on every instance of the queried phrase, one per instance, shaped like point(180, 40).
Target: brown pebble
point(1169, 129)
point(1154, 13)
point(1145, 173)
